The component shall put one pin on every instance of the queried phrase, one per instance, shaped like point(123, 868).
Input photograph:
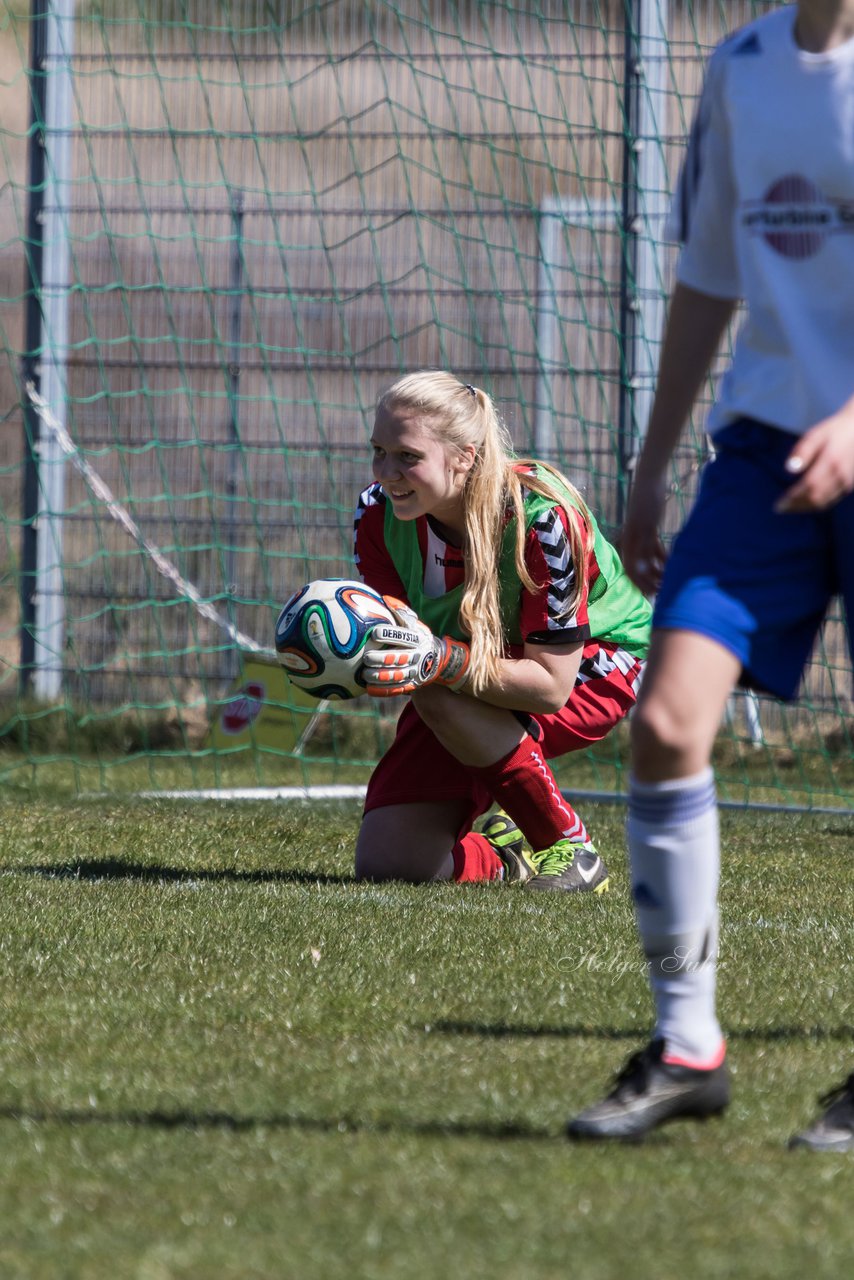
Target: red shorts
point(417, 767)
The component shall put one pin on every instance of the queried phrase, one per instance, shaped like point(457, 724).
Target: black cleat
point(570, 868)
point(649, 1092)
point(834, 1129)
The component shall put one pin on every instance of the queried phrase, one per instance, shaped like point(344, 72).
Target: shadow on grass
point(224, 1120)
point(112, 869)
point(500, 1030)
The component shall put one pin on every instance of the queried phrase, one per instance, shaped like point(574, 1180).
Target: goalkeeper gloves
point(400, 659)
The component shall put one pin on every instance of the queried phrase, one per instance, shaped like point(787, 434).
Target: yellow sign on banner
point(262, 708)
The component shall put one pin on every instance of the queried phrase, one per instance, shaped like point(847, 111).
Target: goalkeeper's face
point(420, 474)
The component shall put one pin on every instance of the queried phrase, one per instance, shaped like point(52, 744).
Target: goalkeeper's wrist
point(454, 662)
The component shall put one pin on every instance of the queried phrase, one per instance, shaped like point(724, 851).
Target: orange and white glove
point(400, 659)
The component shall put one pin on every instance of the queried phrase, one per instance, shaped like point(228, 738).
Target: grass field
point(221, 1058)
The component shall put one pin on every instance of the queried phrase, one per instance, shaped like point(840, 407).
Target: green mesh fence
point(225, 227)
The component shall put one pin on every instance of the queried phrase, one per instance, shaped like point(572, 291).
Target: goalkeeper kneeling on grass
point(520, 639)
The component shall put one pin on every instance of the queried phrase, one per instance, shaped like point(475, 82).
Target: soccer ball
point(322, 633)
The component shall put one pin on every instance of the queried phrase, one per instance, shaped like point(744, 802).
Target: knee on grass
point(379, 865)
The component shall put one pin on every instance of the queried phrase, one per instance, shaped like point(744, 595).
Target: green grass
point(221, 1058)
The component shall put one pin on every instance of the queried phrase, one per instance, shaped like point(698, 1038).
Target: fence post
point(645, 198)
point(43, 630)
point(235, 299)
point(30, 364)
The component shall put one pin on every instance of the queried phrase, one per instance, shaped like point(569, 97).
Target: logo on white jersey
point(795, 218)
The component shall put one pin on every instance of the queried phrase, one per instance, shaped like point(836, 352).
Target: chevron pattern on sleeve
point(554, 544)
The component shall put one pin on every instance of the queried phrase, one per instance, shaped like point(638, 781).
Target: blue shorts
point(757, 582)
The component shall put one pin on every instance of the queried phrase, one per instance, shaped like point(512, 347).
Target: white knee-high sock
point(674, 852)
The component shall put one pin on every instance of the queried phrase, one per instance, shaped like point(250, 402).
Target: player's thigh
point(409, 841)
point(687, 681)
point(418, 769)
point(751, 579)
point(472, 731)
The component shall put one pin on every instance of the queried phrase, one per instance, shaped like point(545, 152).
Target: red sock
point(475, 860)
point(525, 788)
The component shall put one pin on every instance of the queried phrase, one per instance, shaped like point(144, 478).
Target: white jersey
point(765, 213)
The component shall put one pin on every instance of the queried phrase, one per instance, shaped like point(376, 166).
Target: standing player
point(520, 638)
point(766, 205)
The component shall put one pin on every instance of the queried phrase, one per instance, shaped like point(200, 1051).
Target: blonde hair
point(459, 415)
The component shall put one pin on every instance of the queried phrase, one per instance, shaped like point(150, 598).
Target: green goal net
point(226, 226)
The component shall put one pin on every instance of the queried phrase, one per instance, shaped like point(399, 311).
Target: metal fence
point(264, 223)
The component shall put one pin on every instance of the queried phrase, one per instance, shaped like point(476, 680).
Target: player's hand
point(823, 461)
point(400, 659)
point(641, 549)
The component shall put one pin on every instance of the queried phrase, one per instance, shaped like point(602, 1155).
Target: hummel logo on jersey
point(447, 562)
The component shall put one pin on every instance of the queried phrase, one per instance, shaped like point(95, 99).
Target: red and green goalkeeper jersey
point(410, 560)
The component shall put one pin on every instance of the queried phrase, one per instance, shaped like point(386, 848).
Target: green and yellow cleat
point(510, 845)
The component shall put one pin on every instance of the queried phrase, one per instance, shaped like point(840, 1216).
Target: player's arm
point(539, 682)
point(410, 659)
point(542, 679)
point(823, 459)
point(407, 658)
point(695, 325)
point(703, 301)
